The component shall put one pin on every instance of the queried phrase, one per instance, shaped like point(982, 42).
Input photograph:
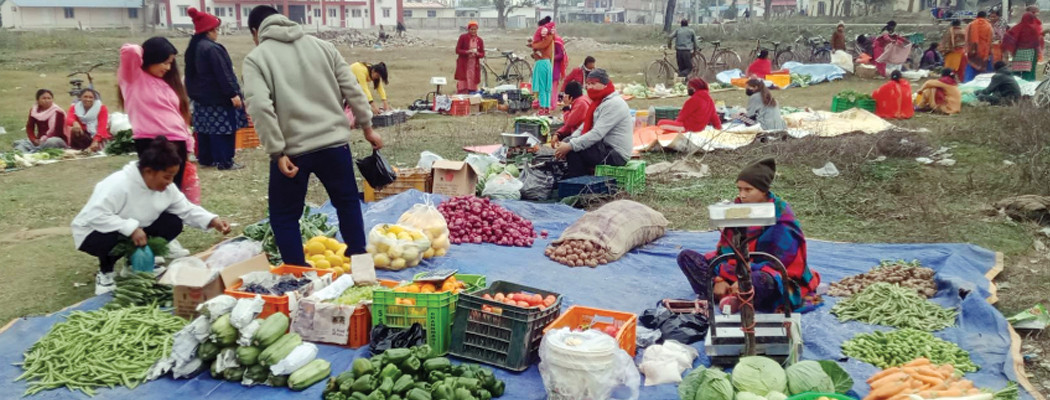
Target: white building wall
point(55, 17)
point(358, 19)
point(179, 16)
point(7, 15)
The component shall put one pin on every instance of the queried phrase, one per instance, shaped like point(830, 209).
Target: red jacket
point(576, 75)
point(103, 128)
point(698, 112)
point(760, 68)
point(463, 50)
point(577, 114)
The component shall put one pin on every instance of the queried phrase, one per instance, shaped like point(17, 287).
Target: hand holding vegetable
point(138, 237)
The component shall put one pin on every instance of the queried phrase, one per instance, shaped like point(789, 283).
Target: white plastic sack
point(232, 253)
point(481, 162)
point(217, 307)
point(842, 60)
point(427, 159)
point(334, 290)
point(659, 373)
point(586, 365)
point(245, 338)
point(672, 352)
point(119, 122)
point(300, 356)
point(503, 187)
point(245, 311)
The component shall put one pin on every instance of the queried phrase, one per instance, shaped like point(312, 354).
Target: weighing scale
point(431, 98)
point(777, 336)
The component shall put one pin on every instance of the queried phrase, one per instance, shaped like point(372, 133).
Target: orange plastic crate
point(273, 303)
point(299, 271)
point(360, 327)
point(599, 319)
point(246, 139)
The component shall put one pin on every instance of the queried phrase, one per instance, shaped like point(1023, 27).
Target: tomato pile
point(520, 299)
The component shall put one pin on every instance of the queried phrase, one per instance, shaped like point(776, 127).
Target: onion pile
point(577, 253)
point(477, 220)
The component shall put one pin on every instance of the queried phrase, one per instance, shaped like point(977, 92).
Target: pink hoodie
point(152, 106)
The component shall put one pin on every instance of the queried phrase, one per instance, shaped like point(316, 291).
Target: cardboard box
point(454, 178)
point(193, 286)
point(475, 99)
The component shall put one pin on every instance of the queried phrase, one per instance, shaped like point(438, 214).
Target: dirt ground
point(896, 200)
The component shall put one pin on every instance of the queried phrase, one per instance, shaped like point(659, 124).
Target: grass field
point(896, 200)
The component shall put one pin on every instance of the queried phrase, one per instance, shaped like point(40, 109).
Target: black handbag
point(376, 171)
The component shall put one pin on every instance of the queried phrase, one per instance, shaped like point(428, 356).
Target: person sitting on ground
point(45, 126)
point(761, 67)
point(377, 75)
point(135, 203)
point(607, 134)
point(87, 123)
point(940, 95)
point(577, 110)
point(579, 74)
point(838, 39)
point(1003, 90)
point(784, 240)
point(697, 113)
point(893, 99)
point(762, 108)
point(932, 58)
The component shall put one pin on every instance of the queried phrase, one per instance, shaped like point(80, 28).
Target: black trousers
point(582, 163)
point(180, 147)
point(216, 150)
point(685, 62)
point(98, 244)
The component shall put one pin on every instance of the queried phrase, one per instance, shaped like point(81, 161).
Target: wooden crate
point(412, 178)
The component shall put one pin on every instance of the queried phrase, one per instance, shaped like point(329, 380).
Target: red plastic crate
point(274, 303)
point(460, 107)
point(599, 319)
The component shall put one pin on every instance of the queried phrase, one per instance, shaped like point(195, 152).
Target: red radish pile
point(520, 299)
point(477, 220)
point(577, 253)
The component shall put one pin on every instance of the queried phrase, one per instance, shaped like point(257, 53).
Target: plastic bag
point(217, 307)
point(396, 247)
point(646, 337)
point(683, 328)
point(586, 365)
point(842, 60)
point(300, 356)
point(427, 159)
point(119, 122)
point(503, 187)
point(481, 162)
point(536, 183)
point(427, 218)
point(233, 252)
point(191, 184)
point(245, 311)
point(385, 338)
point(376, 170)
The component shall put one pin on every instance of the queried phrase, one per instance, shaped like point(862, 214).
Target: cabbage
point(843, 382)
point(706, 384)
point(759, 375)
point(808, 376)
point(776, 396)
point(748, 396)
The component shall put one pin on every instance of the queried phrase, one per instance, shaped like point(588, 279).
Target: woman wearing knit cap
point(607, 134)
point(218, 109)
point(784, 240)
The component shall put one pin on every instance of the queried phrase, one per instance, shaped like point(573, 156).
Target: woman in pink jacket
point(153, 95)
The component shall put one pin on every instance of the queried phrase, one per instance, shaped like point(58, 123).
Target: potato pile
point(910, 275)
point(577, 253)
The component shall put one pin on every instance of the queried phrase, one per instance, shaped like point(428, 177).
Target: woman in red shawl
point(471, 49)
point(1025, 42)
point(761, 67)
point(893, 99)
point(886, 37)
point(697, 113)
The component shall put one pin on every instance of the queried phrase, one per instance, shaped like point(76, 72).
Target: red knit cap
point(697, 84)
point(202, 21)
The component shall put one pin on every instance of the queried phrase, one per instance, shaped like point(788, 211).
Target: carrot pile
point(919, 377)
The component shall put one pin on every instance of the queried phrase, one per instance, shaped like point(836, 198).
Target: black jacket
point(1003, 85)
point(213, 82)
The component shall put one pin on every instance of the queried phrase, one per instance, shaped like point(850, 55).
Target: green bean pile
point(888, 304)
point(99, 349)
point(896, 348)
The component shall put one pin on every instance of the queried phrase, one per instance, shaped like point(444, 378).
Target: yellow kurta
point(360, 71)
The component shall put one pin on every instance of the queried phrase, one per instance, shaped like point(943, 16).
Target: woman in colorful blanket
point(87, 123)
point(940, 95)
point(893, 99)
point(953, 45)
point(1025, 42)
point(471, 49)
point(886, 37)
point(784, 240)
point(45, 125)
point(697, 113)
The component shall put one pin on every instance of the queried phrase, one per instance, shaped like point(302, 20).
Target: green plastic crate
point(839, 104)
point(866, 104)
point(434, 311)
point(509, 340)
point(630, 177)
point(662, 113)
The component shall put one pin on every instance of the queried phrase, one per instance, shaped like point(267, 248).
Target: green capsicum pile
point(413, 374)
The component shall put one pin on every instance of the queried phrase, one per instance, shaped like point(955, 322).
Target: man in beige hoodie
point(295, 86)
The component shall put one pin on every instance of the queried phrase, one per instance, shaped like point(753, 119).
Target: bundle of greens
point(122, 143)
point(310, 225)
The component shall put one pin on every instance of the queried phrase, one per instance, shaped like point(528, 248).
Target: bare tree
point(769, 9)
point(669, 15)
point(555, 17)
point(504, 7)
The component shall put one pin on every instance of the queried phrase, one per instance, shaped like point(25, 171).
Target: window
point(133, 13)
point(317, 12)
point(386, 12)
point(184, 11)
point(220, 12)
point(356, 13)
point(432, 14)
point(366, 12)
point(332, 13)
point(69, 12)
point(406, 13)
point(247, 11)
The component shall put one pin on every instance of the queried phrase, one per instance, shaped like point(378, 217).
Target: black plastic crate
point(586, 185)
point(510, 339)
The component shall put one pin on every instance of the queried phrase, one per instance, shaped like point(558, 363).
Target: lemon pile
point(323, 252)
point(397, 247)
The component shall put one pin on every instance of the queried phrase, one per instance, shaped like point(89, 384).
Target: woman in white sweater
point(137, 202)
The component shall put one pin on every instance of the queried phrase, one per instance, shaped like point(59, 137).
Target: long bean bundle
point(895, 348)
point(100, 349)
point(888, 304)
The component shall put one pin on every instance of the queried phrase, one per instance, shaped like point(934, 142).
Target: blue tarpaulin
point(634, 283)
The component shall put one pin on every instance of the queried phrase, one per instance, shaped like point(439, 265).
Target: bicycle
point(515, 72)
point(723, 59)
point(77, 84)
point(663, 71)
point(780, 56)
point(819, 50)
point(1041, 98)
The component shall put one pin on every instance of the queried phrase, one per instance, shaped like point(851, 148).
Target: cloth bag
point(617, 227)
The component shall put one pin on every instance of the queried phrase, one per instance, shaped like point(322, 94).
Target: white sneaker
point(175, 250)
point(104, 283)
